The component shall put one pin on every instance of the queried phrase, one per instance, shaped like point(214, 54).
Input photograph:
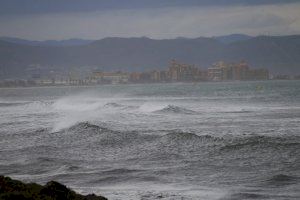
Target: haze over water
point(229, 140)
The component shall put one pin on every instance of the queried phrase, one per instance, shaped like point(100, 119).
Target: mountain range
point(227, 39)
point(279, 54)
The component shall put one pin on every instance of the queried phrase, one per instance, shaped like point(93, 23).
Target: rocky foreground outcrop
point(12, 189)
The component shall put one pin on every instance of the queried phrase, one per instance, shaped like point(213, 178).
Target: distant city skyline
point(97, 19)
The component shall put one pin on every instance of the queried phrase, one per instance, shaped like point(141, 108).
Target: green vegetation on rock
point(13, 189)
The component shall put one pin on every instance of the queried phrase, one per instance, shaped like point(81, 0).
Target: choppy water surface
point(159, 141)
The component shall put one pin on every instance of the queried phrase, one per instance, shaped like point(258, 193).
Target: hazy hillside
point(278, 54)
point(227, 39)
point(69, 42)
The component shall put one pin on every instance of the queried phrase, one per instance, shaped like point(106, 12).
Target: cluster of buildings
point(179, 72)
point(235, 71)
point(176, 72)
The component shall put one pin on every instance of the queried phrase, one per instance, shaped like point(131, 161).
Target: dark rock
point(12, 189)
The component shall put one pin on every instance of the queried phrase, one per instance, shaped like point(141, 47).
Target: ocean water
point(231, 140)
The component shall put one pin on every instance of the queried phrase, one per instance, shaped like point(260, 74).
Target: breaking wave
point(85, 126)
point(186, 136)
point(113, 104)
point(119, 106)
point(137, 145)
point(175, 109)
point(225, 143)
point(25, 103)
point(264, 141)
point(8, 104)
point(246, 195)
point(281, 180)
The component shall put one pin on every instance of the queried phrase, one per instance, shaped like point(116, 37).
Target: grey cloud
point(19, 7)
point(158, 23)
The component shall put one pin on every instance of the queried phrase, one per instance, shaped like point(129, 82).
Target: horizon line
point(146, 37)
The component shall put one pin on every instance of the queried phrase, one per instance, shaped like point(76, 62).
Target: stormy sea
point(223, 140)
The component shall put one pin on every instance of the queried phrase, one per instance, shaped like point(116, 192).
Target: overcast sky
point(96, 19)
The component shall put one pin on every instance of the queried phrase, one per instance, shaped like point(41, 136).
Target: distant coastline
point(175, 72)
point(119, 84)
